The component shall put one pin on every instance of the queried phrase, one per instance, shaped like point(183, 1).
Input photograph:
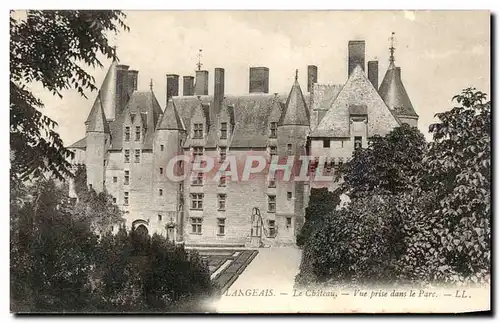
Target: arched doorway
point(142, 231)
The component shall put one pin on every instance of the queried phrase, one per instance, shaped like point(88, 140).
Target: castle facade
point(130, 142)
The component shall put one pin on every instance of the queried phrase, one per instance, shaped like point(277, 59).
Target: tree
point(51, 253)
point(452, 235)
point(51, 48)
point(391, 163)
point(97, 208)
point(424, 222)
point(321, 205)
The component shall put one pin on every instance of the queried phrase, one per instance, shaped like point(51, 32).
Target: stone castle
point(130, 139)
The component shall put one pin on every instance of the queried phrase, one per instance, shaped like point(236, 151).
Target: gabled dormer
point(199, 123)
point(225, 123)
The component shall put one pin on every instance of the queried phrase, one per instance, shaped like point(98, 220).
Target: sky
point(439, 52)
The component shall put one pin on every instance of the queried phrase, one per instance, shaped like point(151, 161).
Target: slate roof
point(170, 119)
point(145, 105)
point(81, 144)
point(356, 93)
point(96, 121)
point(252, 115)
point(394, 93)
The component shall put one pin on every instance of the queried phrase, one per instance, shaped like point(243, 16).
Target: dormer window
point(274, 130)
point(127, 133)
point(198, 131)
point(137, 133)
point(223, 130)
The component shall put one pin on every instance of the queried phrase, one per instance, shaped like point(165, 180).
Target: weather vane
point(199, 64)
point(392, 49)
point(296, 74)
point(151, 85)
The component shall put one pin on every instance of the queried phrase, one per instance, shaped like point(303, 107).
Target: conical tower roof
point(296, 111)
point(392, 89)
point(107, 93)
point(170, 119)
point(96, 122)
point(394, 93)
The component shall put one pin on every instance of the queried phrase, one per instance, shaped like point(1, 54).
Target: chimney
point(172, 85)
point(259, 80)
point(218, 89)
point(188, 85)
point(312, 76)
point(356, 55)
point(132, 81)
point(201, 87)
point(122, 82)
point(373, 73)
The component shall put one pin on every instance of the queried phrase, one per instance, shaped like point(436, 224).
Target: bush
point(58, 263)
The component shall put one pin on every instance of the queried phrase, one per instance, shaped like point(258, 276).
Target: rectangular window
point(221, 225)
point(289, 195)
point(273, 151)
point(137, 155)
point(125, 199)
point(159, 217)
point(326, 143)
point(221, 199)
point(328, 167)
point(161, 170)
point(115, 179)
point(274, 130)
point(272, 182)
point(181, 187)
point(197, 201)
point(288, 222)
point(127, 133)
point(104, 163)
point(196, 225)
point(126, 179)
point(223, 154)
point(222, 181)
point(197, 179)
point(271, 225)
point(162, 147)
point(271, 203)
point(137, 133)
point(160, 192)
point(223, 130)
point(198, 131)
point(289, 149)
point(126, 156)
point(114, 200)
point(90, 186)
point(197, 153)
point(357, 142)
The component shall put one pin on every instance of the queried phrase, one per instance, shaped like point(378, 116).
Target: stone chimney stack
point(122, 82)
point(201, 87)
point(259, 80)
point(356, 49)
point(172, 85)
point(218, 89)
point(132, 81)
point(373, 73)
point(188, 85)
point(312, 76)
